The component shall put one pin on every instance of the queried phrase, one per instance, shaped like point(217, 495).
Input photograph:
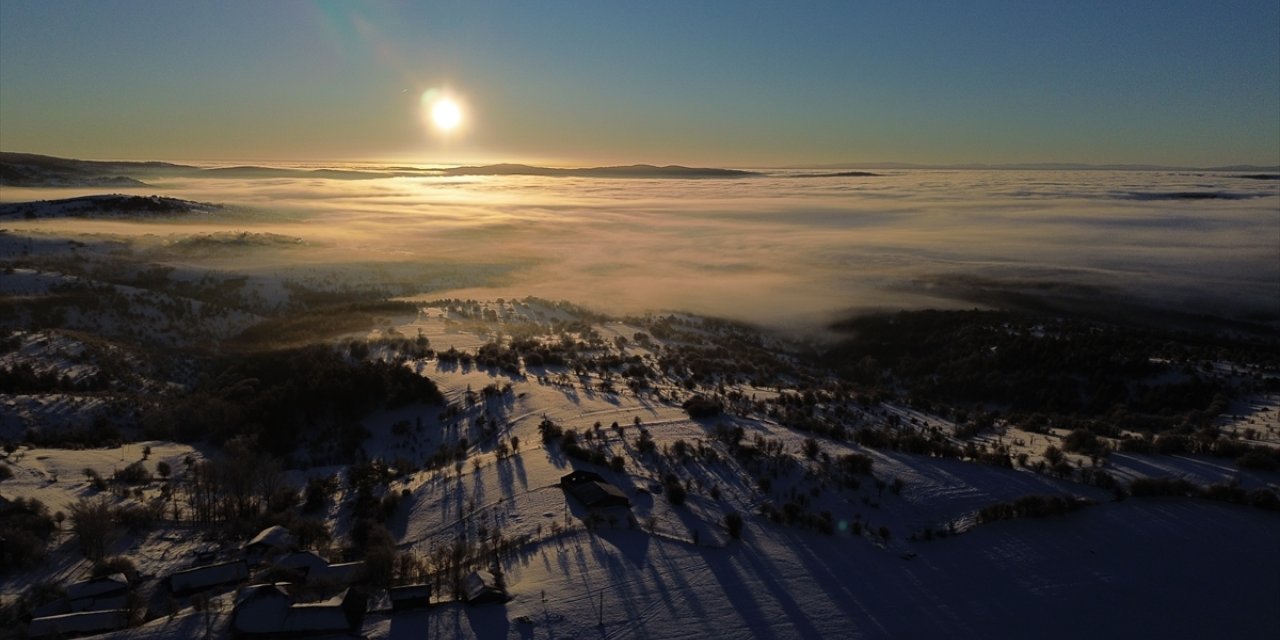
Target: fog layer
point(767, 249)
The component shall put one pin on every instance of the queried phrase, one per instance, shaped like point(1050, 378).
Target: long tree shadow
point(489, 621)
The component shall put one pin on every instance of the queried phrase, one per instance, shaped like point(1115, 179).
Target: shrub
point(135, 473)
point(114, 564)
point(674, 490)
point(733, 522)
point(1260, 460)
point(810, 448)
point(1031, 507)
point(25, 528)
point(702, 407)
point(95, 480)
point(1083, 441)
point(1162, 487)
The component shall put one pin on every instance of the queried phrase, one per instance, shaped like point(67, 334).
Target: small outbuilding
point(593, 491)
point(478, 590)
point(410, 596)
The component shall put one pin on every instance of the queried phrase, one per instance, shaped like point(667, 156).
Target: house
point(410, 596)
point(477, 590)
point(270, 541)
point(201, 578)
point(269, 610)
point(78, 624)
point(591, 490)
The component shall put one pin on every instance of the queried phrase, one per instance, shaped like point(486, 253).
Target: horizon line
point(541, 163)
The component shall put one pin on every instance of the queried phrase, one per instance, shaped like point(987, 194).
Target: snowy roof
point(346, 572)
point(100, 603)
point(262, 590)
point(277, 537)
point(97, 587)
point(302, 560)
point(478, 590)
point(260, 609)
point(592, 490)
point(77, 623)
point(326, 615)
point(210, 576)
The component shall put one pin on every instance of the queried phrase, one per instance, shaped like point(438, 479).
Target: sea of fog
point(783, 248)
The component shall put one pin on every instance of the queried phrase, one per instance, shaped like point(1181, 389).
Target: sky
point(742, 83)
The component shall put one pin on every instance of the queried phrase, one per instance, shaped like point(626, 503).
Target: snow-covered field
point(1164, 567)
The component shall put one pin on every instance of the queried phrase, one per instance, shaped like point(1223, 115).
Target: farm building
point(78, 624)
point(97, 594)
point(269, 610)
point(591, 490)
point(201, 578)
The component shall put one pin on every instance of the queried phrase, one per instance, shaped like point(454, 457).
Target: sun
point(446, 115)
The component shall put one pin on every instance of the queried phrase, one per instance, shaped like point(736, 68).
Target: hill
point(106, 206)
point(32, 170)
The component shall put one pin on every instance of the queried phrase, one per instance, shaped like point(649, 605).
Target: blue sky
point(730, 83)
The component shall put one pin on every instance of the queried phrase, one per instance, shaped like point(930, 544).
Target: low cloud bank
point(775, 250)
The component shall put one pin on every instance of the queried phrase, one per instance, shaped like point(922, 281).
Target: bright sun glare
point(446, 115)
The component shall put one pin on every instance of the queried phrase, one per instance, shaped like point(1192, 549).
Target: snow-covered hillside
point(836, 539)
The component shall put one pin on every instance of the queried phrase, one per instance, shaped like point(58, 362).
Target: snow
point(1118, 570)
point(1141, 567)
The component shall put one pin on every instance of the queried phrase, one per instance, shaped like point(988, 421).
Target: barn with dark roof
point(591, 490)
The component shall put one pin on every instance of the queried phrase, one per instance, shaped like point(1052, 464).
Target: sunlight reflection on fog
point(776, 249)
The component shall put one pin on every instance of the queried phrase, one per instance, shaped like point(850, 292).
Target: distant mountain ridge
point(1035, 166)
point(627, 171)
point(34, 170)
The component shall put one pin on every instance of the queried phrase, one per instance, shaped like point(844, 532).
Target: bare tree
point(94, 525)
